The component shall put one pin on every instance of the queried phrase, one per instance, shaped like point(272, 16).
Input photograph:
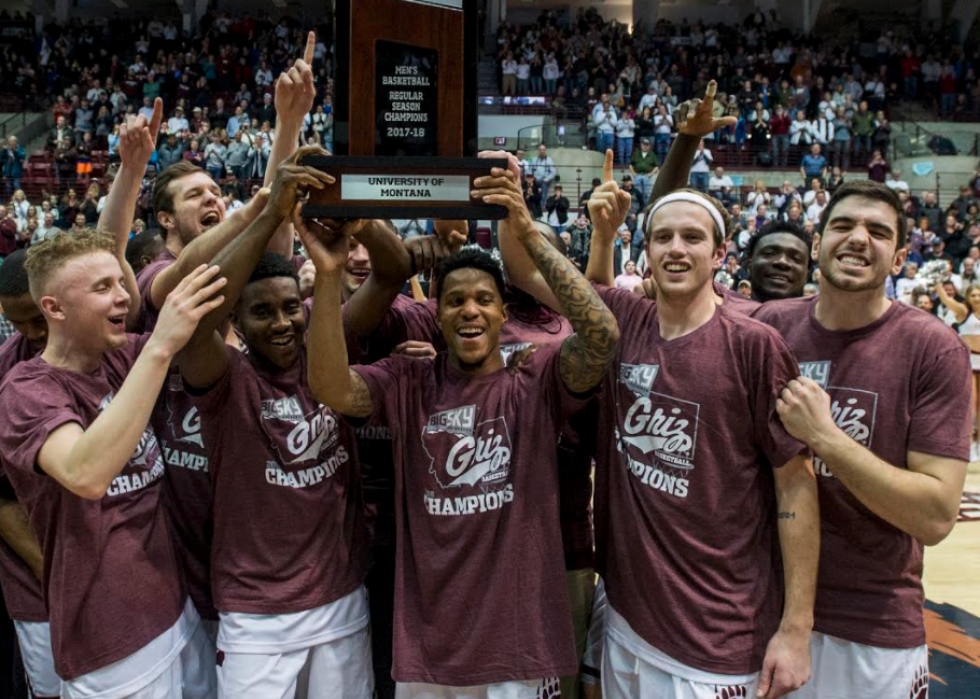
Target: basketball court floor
point(952, 583)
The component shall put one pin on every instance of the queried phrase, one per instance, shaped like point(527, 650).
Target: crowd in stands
point(218, 88)
point(788, 92)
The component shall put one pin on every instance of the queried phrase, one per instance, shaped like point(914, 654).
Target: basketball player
point(187, 202)
point(289, 555)
point(678, 471)
point(21, 562)
point(890, 447)
point(85, 464)
point(488, 491)
point(778, 261)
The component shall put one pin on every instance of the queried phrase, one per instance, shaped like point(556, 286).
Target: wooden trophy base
point(401, 188)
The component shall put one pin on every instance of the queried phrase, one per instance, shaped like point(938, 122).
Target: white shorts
point(842, 670)
point(152, 672)
point(528, 689)
point(337, 669)
point(633, 668)
point(198, 663)
point(35, 647)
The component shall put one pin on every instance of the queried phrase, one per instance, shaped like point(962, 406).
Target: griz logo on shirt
point(186, 433)
point(146, 455)
point(307, 440)
point(658, 435)
point(854, 410)
point(472, 458)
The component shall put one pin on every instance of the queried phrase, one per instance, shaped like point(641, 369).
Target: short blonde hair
point(50, 255)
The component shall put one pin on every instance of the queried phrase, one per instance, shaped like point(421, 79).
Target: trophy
point(405, 114)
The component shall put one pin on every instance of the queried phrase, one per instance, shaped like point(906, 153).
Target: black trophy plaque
point(405, 113)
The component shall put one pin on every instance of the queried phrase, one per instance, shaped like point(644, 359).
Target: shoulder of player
point(925, 330)
point(14, 351)
point(751, 334)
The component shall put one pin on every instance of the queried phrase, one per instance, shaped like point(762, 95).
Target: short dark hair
point(141, 244)
point(273, 265)
point(869, 190)
point(163, 199)
point(472, 258)
point(774, 227)
point(13, 275)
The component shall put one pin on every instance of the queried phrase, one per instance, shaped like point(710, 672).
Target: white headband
point(692, 199)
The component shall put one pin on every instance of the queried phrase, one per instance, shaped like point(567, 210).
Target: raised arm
point(295, 93)
point(960, 311)
point(84, 461)
point(608, 208)
point(331, 379)
point(137, 141)
point(203, 249)
point(694, 120)
point(203, 363)
point(586, 355)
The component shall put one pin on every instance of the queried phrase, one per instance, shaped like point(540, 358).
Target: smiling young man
point(890, 447)
point(472, 484)
point(21, 565)
point(778, 261)
point(85, 465)
point(288, 552)
point(692, 457)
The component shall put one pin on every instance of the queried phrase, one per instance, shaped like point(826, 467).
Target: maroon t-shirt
point(685, 503)
point(187, 493)
point(735, 301)
point(870, 581)
point(288, 515)
point(111, 578)
point(144, 281)
point(480, 594)
point(374, 443)
point(21, 588)
point(530, 323)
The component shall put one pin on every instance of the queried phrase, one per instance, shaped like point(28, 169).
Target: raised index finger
point(607, 167)
point(310, 47)
point(711, 91)
point(157, 117)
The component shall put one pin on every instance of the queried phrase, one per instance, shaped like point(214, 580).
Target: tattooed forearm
point(787, 515)
point(586, 355)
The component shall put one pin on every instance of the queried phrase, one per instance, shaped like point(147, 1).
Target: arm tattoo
point(360, 403)
point(787, 515)
point(588, 353)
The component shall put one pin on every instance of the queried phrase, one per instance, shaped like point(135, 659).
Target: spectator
point(194, 154)
point(84, 119)
point(813, 164)
point(624, 252)
point(835, 181)
point(45, 230)
point(862, 125)
point(214, 157)
point(532, 196)
point(759, 196)
point(8, 231)
point(800, 131)
point(779, 127)
point(523, 76)
point(842, 140)
point(629, 278)
point(178, 122)
point(238, 157)
point(62, 131)
point(896, 182)
point(701, 168)
point(643, 166)
point(721, 186)
point(816, 208)
point(267, 110)
point(508, 84)
point(12, 156)
point(581, 240)
point(605, 124)
point(907, 284)
point(543, 169)
point(625, 129)
point(877, 167)
point(663, 125)
point(557, 206)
